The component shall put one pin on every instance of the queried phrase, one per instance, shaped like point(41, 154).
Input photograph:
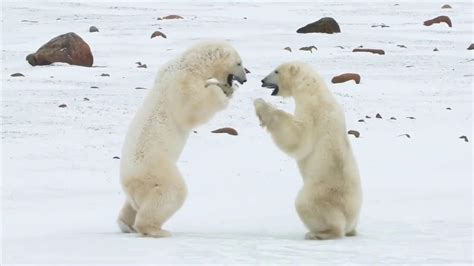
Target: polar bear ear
point(294, 70)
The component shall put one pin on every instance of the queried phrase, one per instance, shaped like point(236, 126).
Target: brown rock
point(435, 50)
point(17, 75)
point(374, 51)
point(171, 17)
point(309, 48)
point(439, 19)
point(446, 6)
point(157, 34)
point(471, 47)
point(67, 48)
point(354, 132)
point(324, 25)
point(287, 48)
point(346, 77)
point(227, 130)
point(93, 29)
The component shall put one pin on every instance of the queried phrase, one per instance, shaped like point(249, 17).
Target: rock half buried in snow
point(439, 19)
point(171, 17)
point(324, 25)
point(66, 48)
point(374, 51)
point(158, 34)
point(471, 47)
point(18, 74)
point(354, 132)
point(227, 130)
point(93, 29)
point(346, 77)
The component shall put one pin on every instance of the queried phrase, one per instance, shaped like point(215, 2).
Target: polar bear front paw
point(263, 111)
point(227, 89)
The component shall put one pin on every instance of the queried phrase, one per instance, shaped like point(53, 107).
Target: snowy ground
point(60, 189)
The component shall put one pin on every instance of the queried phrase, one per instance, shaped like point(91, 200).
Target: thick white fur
point(182, 98)
point(331, 197)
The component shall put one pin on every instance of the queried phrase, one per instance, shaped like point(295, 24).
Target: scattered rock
point(339, 46)
point(346, 77)
point(448, 108)
point(227, 130)
point(93, 29)
point(158, 34)
point(471, 47)
point(435, 50)
point(393, 118)
point(245, 17)
point(140, 88)
point(195, 132)
point(66, 48)
point(380, 25)
point(29, 21)
point(374, 51)
point(105, 75)
point(361, 120)
point(62, 105)
point(354, 132)
point(446, 6)
point(142, 66)
point(409, 66)
point(368, 117)
point(116, 157)
point(171, 17)
point(309, 48)
point(17, 75)
point(410, 117)
point(464, 138)
point(401, 46)
point(324, 25)
point(246, 70)
point(94, 87)
point(406, 135)
point(86, 99)
point(378, 116)
point(287, 48)
point(439, 19)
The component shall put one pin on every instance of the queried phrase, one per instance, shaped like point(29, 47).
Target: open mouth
point(271, 86)
point(231, 78)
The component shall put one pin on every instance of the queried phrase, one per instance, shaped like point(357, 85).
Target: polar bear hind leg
point(127, 218)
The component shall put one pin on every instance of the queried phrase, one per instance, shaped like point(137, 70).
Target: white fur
point(188, 91)
point(331, 197)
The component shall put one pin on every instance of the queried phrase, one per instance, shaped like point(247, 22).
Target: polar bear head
point(216, 59)
point(286, 78)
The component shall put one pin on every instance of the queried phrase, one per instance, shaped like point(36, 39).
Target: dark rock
point(361, 120)
point(346, 77)
point(406, 135)
point(435, 50)
point(393, 118)
point(380, 25)
point(354, 132)
point(246, 71)
point(378, 116)
point(94, 87)
point(227, 130)
point(309, 48)
point(446, 6)
point(158, 34)
point(105, 75)
point(142, 66)
point(464, 138)
point(410, 117)
point(67, 48)
point(116, 157)
point(62, 105)
point(368, 117)
point(140, 88)
point(401, 46)
point(93, 29)
point(439, 19)
point(86, 99)
point(171, 17)
point(374, 51)
point(448, 108)
point(17, 75)
point(324, 25)
point(287, 48)
point(471, 47)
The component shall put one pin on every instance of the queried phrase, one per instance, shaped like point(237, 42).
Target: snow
point(60, 186)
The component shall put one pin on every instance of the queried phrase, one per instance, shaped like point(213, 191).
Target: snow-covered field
point(60, 186)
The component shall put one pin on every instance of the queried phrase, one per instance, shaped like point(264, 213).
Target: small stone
point(94, 87)
point(361, 120)
point(410, 117)
point(393, 118)
point(309, 48)
point(406, 135)
point(324, 25)
point(446, 6)
point(195, 132)
point(380, 25)
point(346, 77)
point(93, 29)
point(471, 47)
point(287, 48)
point(354, 132)
point(140, 88)
point(171, 17)
point(448, 108)
point(374, 51)
point(439, 19)
point(158, 34)
point(62, 105)
point(86, 99)
point(401, 46)
point(246, 71)
point(105, 75)
point(378, 116)
point(464, 138)
point(368, 117)
point(435, 50)
point(142, 66)
point(116, 157)
point(339, 46)
point(227, 130)
point(17, 75)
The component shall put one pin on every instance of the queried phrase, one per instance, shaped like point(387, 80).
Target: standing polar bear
point(188, 91)
point(331, 197)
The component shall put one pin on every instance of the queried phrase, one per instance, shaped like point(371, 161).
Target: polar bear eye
point(276, 71)
point(239, 64)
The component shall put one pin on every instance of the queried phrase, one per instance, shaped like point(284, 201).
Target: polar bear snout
point(270, 85)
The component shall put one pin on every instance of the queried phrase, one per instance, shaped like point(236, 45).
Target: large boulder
point(324, 25)
point(66, 48)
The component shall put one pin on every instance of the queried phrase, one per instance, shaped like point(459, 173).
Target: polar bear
point(187, 92)
point(331, 197)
